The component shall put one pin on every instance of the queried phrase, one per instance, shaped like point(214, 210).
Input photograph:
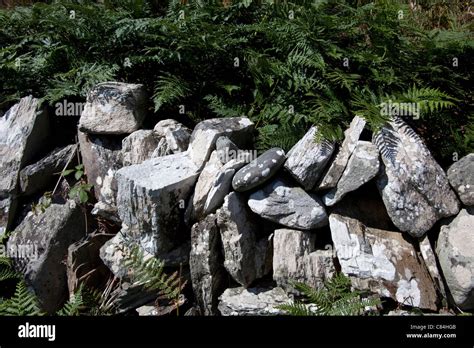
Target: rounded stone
point(259, 170)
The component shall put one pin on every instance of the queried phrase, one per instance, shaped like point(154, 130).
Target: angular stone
point(429, 258)
point(44, 240)
point(308, 159)
point(177, 136)
point(333, 174)
point(361, 168)
point(247, 257)
point(139, 146)
point(38, 176)
point(225, 147)
point(102, 157)
point(414, 187)
point(288, 205)
point(114, 108)
point(296, 260)
point(23, 131)
point(255, 301)
point(84, 265)
point(205, 134)
point(213, 185)
point(461, 177)
point(151, 200)
point(382, 262)
point(455, 249)
point(259, 170)
point(206, 265)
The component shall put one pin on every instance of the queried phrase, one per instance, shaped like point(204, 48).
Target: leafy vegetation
point(335, 298)
point(285, 64)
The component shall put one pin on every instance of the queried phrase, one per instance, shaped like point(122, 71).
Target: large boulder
point(39, 175)
point(296, 260)
point(102, 157)
point(208, 275)
point(361, 168)
point(308, 159)
point(455, 249)
point(23, 131)
point(151, 200)
point(255, 301)
point(247, 256)
point(338, 165)
point(461, 177)
point(382, 262)
point(414, 187)
point(203, 140)
point(114, 108)
point(47, 236)
point(259, 170)
point(288, 205)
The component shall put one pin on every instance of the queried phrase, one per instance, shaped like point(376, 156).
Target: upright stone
point(247, 257)
point(176, 135)
point(23, 131)
point(455, 249)
point(308, 159)
point(114, 108)
point(414, 187)
point(139, 146)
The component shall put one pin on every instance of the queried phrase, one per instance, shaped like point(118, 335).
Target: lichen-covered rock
point(203, 140)
point(455, 249)
point(255, 301)
point(39, 175)
point(114, 108)
point(213, 185)
point(288, 205)
point(151, 200)
point(259, 170)
point(361, 168)
point(382, 262)
point(461, 177)
point(414, 187)
point(23, 131)
point(296, 260)
point(39, 246)
point(308, 159)
point(246, 256)
point(333, 174)
point(102, 157)
point(176, 135)
point(139, 146)
point(206, 265)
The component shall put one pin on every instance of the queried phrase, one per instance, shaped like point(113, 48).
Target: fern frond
point(74, 305)
point(169, 89)
point(23, 303)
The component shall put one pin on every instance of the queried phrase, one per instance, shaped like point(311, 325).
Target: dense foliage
point(284, 64)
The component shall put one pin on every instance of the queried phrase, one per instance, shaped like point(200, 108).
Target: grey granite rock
point(461, 177)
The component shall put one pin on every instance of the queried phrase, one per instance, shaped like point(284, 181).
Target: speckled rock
point(139, 146)
point(259, 170)
point(296, 260)
point(114, 108)
point(288, 205)
point(247, 256)
point(255, 301)
point(382, 262)
point(203, 140)
point(333, 174)
point(308, 159)
point(455, 249)
point(361, 168)
point(414, 188)
point(461, 177)
point(429, 257)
